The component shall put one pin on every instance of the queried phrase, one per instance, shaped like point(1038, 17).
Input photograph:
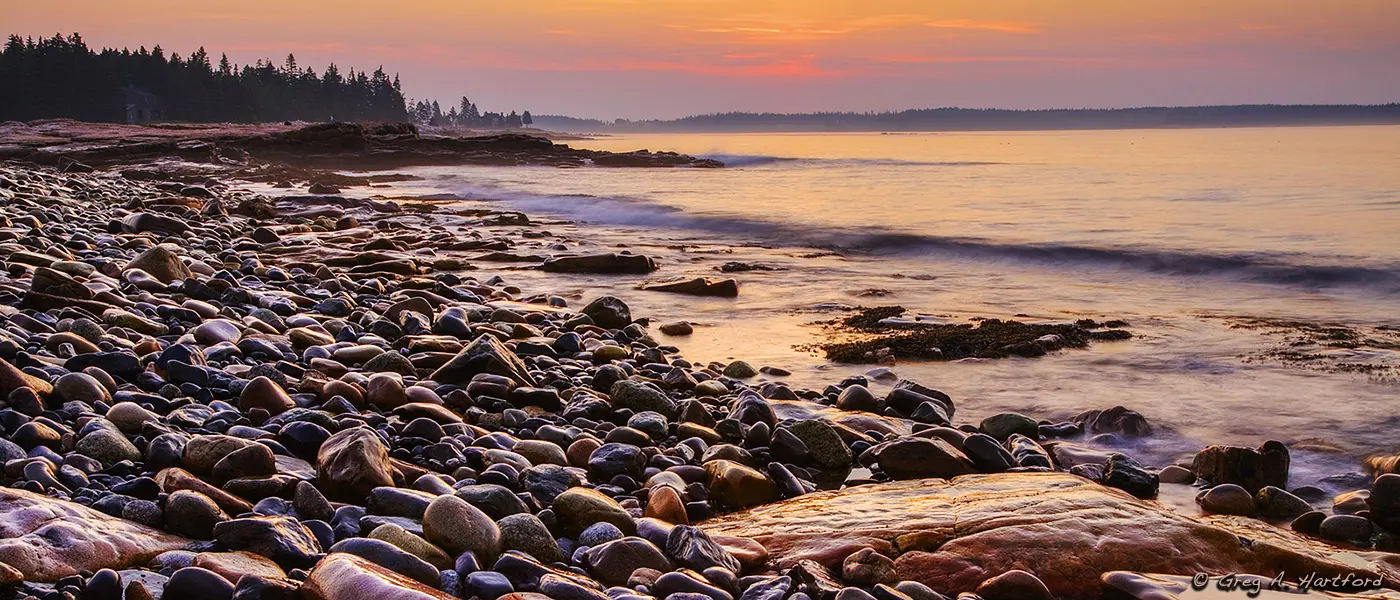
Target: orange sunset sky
point(668, 58)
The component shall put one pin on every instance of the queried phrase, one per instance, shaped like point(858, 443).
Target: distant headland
point(975, 119)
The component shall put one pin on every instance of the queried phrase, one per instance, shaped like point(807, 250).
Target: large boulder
point(49, 539)
point(954, 534)
point(485, 354)
point(1247, 467)
point(351, 463)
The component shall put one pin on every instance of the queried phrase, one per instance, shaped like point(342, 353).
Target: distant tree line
point(61, 77)
point(971, 119)
point(465, 114)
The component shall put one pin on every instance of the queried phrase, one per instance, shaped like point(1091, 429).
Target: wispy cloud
point(998, 26)
point(932, 60)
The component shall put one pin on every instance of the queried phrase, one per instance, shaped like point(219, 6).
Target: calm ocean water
point(1176, 231)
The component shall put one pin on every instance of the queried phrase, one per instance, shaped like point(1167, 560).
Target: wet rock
point(691, 548)
point(603, 264)
point(608, 312)
point(390, 557)
point(735, 485)
point(858, 397)
point(1014, 585)
point(192, 514)
point(404, 540)
point(1247, 467)
point(578, 508)
point(611, 460)
point(827, 449)
point(678, 328)
point(1028, 453)
point(1349, 529)
point(666, 504)
point(698, 286)
point(48, 539)
point(613, 562)
point(1002, 426)
point(458, 527)
point(986, 454)
point(107, 446)
point(160, 262)
point(1176, 474)
point(1126, 474)
point(236, 565)
point(640, 397)
point(776, 588)
point(130, 417)
point(526, 533)
point(342, 576)
point(740, 370)
point(194, 582)
point(1116, 420)
point(1227, 499)
point(915, 458)
point(486, 354)
point(174, 479)
point(282, 539)
point(264, 393)
point(352, 463)
point(1384, 501)
point(81, 387)
point(1275, 503)
point(12, 379)
point(867, 567)
point(253, 460)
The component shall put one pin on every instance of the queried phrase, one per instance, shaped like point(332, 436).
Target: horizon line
point(869, 113)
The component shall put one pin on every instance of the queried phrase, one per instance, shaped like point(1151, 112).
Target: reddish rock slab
point(341, 576)
point(48, 539)
point(953, 534)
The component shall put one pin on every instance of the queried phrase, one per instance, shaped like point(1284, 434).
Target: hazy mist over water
point(1169, 229)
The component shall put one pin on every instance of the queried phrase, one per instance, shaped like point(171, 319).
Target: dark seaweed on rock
point(988, 338)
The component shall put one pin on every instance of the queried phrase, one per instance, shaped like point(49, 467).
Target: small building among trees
point(141, 105)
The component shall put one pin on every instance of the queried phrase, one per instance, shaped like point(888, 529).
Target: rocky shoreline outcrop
point(266, 151)
point(215, 394)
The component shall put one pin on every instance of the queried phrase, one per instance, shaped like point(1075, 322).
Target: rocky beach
point(222, 378)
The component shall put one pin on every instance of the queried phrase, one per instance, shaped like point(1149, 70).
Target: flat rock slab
point(953, 534)
point(341, 576)
point(48, 539)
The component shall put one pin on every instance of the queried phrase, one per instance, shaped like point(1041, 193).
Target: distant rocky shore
point(210, 393)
